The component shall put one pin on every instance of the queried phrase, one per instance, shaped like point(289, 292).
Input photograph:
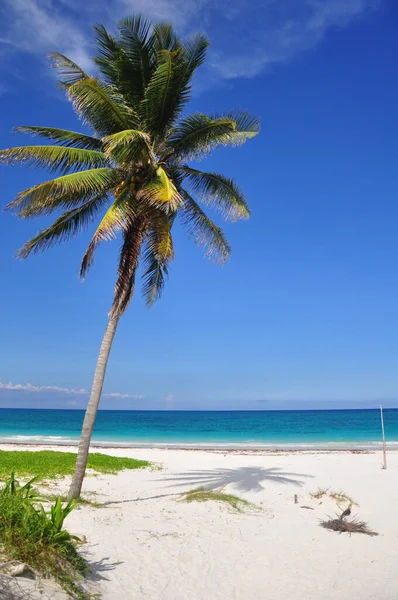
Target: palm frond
point(66, 191)
point(246, 127)
point(203, 231)
point(190, 56)
point(116, 67)
point(158, 254)
point(196, 135)
point(129, 145)
point(164, 38)
point(194, 52)
point(218, 191)
point(54, 158)
point(62, 136)
point(117, 217)
point(65, 227)
point(129, 256)
point(166, 93)
point(138, 49)
point(110, 56)
point(160, 192)
point(70, 72)
point(100, 106)
point(155, 101)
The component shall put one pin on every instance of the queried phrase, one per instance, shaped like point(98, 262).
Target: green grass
point(49, 464)
point(206, 495)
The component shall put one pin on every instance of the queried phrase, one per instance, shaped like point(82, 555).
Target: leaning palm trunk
point(92, 409)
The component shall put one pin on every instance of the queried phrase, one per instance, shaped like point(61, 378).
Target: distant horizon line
point(168, 410)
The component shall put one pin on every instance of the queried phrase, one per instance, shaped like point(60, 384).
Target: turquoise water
point(293, 428)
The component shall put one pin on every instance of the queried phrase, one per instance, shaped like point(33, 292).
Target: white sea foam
point(37, 439)
point(249, 445)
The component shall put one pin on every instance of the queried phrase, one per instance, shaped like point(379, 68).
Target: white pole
point(384, 439)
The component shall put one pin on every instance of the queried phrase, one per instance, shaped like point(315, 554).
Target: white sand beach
point(144, 543)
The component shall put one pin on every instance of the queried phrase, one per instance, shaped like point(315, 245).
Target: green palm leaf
point(218, 191)
point(203, 231)
point(161, 193)
point(100, 106)
point(166, 93)
point(70, 72)
point(62, 136)
point(54, 158)
point(65, 191)
point(155, 101)
point(129, 145)
point(138, 49)
point(118, 216)
point(246, 127)
point(164, 38)
point(196, 135)
point(194, 52)
point(65, 227)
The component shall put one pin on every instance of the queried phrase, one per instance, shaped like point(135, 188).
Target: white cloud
point(169, 402)
point(279, 32)
point(246, 37)
point(117, 395)
point(42, 26)
point(28, 387)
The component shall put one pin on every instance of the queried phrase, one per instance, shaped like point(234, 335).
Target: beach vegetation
point(340, 497)
point(132, 171)
point(84, 501)
point(206, 495)
point(320, 492)
point(51, 464)
point(36, 537)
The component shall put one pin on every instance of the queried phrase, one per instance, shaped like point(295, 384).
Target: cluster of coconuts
point(133, 184)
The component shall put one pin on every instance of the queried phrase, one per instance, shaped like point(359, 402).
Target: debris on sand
point(348, 526)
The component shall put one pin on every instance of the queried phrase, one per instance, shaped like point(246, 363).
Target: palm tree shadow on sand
point(244, 479)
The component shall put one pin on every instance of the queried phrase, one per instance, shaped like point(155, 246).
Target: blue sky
point(305, 312)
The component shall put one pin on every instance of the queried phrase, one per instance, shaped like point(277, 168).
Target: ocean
point(224, 429)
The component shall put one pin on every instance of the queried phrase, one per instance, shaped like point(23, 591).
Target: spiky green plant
point(133, 168)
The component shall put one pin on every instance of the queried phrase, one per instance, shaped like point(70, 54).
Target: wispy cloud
point(28, 387)
point(169, 402)
point(276, 32)
point(118, 395)
point(41, 26)
point(247, 38)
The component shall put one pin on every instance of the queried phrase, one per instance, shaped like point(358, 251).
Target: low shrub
point(33, 536)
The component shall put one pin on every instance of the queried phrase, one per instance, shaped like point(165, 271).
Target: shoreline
point(241, 450)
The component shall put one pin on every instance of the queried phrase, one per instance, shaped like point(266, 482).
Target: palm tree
point(133, 168)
